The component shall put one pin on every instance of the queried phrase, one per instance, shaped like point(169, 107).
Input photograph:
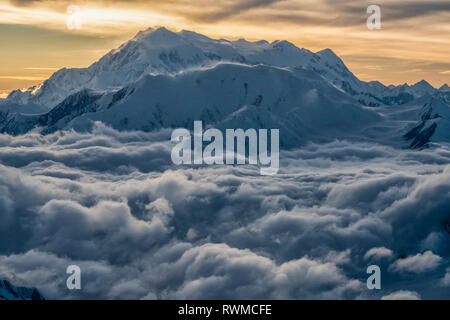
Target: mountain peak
point(162, 30)
point(327, 52)
point(377, 84)
point(163, 51)
point(155, 34)
point(10, 292)
point(444, 87)
point(424, 85)
point(329, 56)
point(284, 44)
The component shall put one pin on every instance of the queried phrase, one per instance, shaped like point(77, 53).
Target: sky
point(412, 44)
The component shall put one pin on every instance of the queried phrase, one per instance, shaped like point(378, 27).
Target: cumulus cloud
point(141, 228)
point(378, 253)
point(446, 280)
point(420, 263)
point(402, 295)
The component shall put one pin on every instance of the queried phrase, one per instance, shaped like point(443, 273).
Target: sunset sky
point(413, 44)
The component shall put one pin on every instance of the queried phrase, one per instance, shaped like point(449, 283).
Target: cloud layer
point(140, 228)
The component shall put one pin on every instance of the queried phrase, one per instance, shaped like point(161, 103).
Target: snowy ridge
point(229, 95)
point(10, 292)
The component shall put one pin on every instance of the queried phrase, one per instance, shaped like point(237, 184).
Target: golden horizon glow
point(406, 50)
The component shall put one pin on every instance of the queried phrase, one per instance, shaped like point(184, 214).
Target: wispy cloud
point(29, 78)
point(41, 68)
point(304, 12)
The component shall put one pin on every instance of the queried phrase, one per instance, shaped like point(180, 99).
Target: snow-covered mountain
point(299, 101)
point(423, 120)
point(162, 78)
point(10, 292)
point(156, 52)
point(160, 51)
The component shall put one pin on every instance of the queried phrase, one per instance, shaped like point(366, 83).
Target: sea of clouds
point(142, 228)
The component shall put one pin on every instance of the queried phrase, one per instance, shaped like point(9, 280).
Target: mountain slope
point(300, 102)
point(10, 292)
point(434, 123)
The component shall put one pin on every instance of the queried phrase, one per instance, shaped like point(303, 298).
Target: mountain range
point(163, 79)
